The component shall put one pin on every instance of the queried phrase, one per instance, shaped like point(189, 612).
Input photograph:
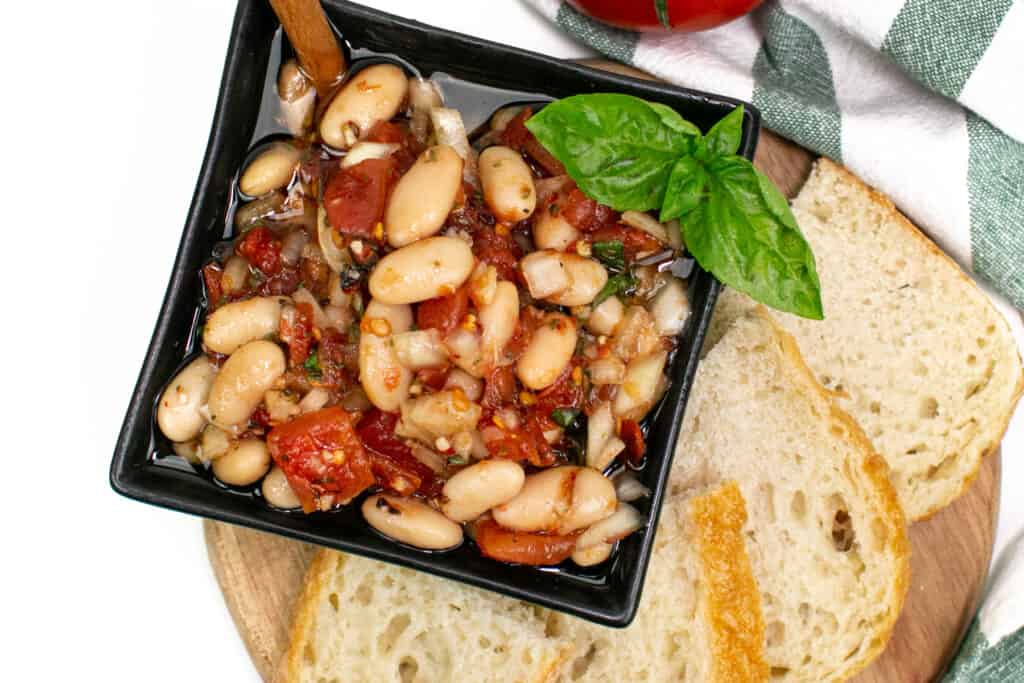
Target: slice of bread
point(362, 621)
point(826, 536)
point(700, 616)
point(910, 346)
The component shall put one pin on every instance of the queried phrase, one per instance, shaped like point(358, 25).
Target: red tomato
point(679, 15)
point(633, 437)
point(564, 393)
point(262, 249)
point(322, 457)
point(211, 278)
point(392, 461)
point(297, 333)
point(434, 378)
point(518, 547)
point(582, 212)
point(355, 197)
point(634, 240)
point(443, 313)
point(499, 388)
point(517, 136)
point(495, 247)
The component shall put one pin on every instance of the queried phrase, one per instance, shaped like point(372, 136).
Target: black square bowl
point(143, 465)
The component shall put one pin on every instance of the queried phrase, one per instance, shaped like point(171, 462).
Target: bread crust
point(324, 564)
point(877, 471)
point(1001, 422)
point(732, 599)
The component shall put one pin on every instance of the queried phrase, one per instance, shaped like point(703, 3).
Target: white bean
point(419, 349)
point(605, 317)
point(595, 554)
point(498, 320)
point(412, 522)
point(593, 499)
point(548, 353)
point(507, 184)
point(297, 97)
point(544, 499)
point(240, 322)
point(178, 413)
point(471, 386)
point(606, 370)
point(244, 464)
point(272, 169)
point(423, 270)
point(188, 450)
point(639, 390)
point(442, 413)
point(374, 94)
point(586, 278)
point(670, 308)
point(385, 380)
point(241, 383)
point(277, 491)
point(424, 196)
point(476, 489)
point(236, 272)
point(552, 231)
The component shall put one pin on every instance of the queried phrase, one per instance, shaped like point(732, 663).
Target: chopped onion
point(501, 118)
point(449, 130)
point(428, 457)
point(361, 151)
point(464, 348)
point(600, 428)
point(670, 307)
point(509, 418)
point(267, 205)
point(315, 400)
point(544, 274)
point(304, 296)
point(335, 256)
point(338, 317)
point(546, 187)
point(608, 370)
point(423, 96)
point(675, 235)
point(420, 349)
point(647, 223)
point(628, 488)
point(291, 247)
point(639, 389)
point(471, 386)
point(625, 520)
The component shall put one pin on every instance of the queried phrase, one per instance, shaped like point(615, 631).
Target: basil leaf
point(685, 191)
point(724, 137)
point(745, 234)
point(563, 417)
point(312, 364)
point(617, 284)
point(619, 149)
point(671, 118)
point(611, 254)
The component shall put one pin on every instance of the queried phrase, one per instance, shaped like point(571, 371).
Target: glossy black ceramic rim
point(611, 599)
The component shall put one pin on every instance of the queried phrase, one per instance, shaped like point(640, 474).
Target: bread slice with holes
point(910, 346)
point(362, 621)
point(826, 536)
point(700, 616)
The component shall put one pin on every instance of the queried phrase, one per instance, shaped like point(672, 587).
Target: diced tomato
point(499, 388)
point(443, 313)
point(392, 461)
point(517, 136)
point(339, 359)
point(211, 279)
point(386, 132)
point(526, 443)
point(297, 332)
point(316, 276)
point(498, 249)
point(633, 437)
point(262, 249)
point(634, 241)
point(260, 417)
point(530, 319)
point(518, 547)
point(433, 377)
point(391, 133)
point(355, 197)
point(322, 457)
point(566, 392)
point(285, 282)
point(584, 213)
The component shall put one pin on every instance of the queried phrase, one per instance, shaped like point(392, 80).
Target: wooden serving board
point(261, 575)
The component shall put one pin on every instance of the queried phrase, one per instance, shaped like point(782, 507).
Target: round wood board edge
point(261, 575)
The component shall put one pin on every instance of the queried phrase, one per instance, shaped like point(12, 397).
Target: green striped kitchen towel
point(924, 99)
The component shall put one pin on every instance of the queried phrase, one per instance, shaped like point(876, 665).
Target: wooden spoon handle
point(309, 33)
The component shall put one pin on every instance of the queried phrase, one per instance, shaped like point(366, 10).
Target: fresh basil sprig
point(611, 254)
point(630, 154)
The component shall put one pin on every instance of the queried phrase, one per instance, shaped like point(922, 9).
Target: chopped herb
point(611, 254)
point(312, 365)
point(564, 417)
point(357, 305)
point(456, 460)
point(616, 285)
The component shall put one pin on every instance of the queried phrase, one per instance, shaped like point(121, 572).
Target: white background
point(106, 108)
